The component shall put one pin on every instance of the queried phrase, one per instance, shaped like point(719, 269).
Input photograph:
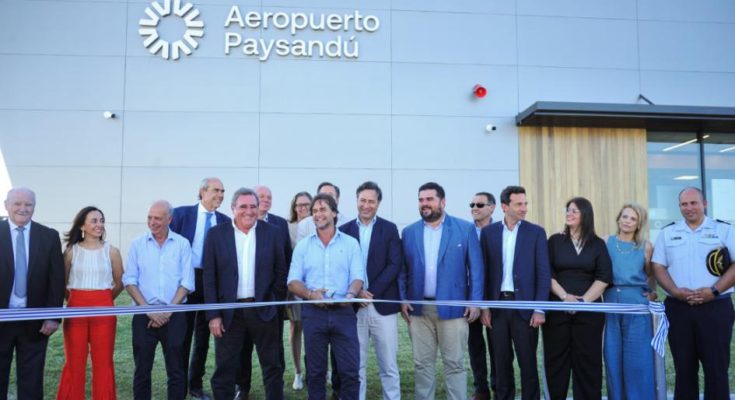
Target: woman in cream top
point(94, 278)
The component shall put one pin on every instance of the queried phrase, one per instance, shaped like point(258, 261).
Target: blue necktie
point(21, 264)
point(207, 225)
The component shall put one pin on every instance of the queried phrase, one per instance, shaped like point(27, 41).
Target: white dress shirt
point(197, 244)
point(245, 244)
point(509, 253)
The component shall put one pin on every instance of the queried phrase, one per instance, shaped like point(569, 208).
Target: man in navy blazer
point(244, 262)
point(442, 262)
point(380, 247)
point(517, 260)
point(193, 222)
point(32, 271)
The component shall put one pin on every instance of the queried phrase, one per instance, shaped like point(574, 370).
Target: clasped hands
point(694, 297)
point(157, 320)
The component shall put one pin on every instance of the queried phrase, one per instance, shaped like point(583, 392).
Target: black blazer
point(221, 273)
point(45, 268)
point(383, 263)
point(531, 271)
point(282, 225)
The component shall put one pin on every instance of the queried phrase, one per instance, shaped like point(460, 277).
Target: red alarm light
point(479, 91)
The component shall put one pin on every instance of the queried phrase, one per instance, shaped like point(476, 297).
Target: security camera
point(490, 127)
point(109, 115)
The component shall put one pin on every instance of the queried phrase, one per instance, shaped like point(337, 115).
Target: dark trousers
point(573, 344)
point(244, 377)
point(335, 328)
point(29, 346)
point(145, 340)
point(478, 361)
point(701, 334)
point(246, 326)
point(510, 330)
point(197, 327)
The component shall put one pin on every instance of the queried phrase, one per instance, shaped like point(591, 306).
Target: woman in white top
point(300, 209)
point(93, 278)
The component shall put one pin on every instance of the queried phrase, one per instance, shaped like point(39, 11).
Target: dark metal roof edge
point(625, 111)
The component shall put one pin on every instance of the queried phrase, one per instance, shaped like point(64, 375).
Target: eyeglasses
point(479, 205)
point(305, 205)
point(571, 211)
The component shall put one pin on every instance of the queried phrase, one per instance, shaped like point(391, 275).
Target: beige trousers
point(428, 333)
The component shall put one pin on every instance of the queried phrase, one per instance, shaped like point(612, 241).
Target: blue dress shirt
point(158, 271)
point(332, 267)
point(432, 241)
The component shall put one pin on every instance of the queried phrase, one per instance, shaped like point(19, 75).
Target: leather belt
point(507, 295)
point(430, 298)
point(246, 300)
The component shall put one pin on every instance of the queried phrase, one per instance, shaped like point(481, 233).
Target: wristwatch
point(714, 290)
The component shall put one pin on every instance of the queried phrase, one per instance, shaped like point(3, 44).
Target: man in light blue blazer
point(443, 261)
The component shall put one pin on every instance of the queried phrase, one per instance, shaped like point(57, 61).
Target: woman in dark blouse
point(581, 270)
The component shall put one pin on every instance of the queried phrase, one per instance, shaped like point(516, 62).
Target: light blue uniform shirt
point(432, 240)
point(332, 267)
point(366, 232)
point(683, 251)
point(158, 271)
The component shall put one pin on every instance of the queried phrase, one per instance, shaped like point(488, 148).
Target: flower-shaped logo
point(149, 28)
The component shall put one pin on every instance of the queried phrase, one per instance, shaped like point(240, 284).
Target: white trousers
point(383, 329)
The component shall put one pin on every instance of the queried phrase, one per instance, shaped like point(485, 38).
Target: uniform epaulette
point(723, 222)
point(669, 224)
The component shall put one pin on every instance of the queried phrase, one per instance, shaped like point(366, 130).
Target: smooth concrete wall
point(402, 114)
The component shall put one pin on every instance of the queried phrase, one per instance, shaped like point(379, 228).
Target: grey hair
point(244, 192)
point(165, 203)
point(204, 185)
point(21, 189)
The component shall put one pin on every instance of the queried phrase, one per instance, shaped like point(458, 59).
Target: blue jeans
point(335, 328)
point(628, 352)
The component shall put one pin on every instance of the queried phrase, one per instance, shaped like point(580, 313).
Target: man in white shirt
point(244, 262)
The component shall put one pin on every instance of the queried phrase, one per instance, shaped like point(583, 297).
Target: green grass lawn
point(124, 367)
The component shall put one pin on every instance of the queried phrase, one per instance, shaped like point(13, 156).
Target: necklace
point(621, 251)
point(578, 244)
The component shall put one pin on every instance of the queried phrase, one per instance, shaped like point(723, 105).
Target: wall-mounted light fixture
point(479, 91)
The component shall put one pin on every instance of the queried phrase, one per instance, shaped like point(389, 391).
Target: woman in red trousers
point(93, 278)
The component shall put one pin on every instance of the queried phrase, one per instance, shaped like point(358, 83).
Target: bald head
point(159, 218)
point(692, 205)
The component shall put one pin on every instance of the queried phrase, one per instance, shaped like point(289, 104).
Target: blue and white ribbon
point(662, 330)
point(659, 339)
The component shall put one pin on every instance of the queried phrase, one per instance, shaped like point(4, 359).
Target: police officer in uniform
point(698, 304)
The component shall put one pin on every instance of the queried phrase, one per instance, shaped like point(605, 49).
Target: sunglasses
point(479, 205)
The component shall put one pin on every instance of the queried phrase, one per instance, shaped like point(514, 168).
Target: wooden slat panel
point(605, 165)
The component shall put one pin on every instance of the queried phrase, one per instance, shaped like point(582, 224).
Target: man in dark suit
point(244, 262)
point(517, 261)
point(265, 201)
point(32, 271)
point(193, 223)
point(381, 254)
